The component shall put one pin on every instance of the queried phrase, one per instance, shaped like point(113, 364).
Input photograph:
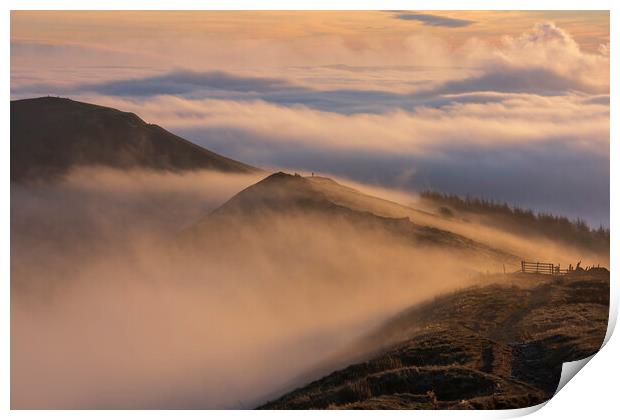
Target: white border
point(592, 394)
point(309, 5)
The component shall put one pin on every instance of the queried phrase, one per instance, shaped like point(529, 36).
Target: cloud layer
point(409, 105)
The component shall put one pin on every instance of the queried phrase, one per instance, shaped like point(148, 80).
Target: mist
point(112, 306)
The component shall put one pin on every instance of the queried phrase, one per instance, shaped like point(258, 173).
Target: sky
point(507, 105)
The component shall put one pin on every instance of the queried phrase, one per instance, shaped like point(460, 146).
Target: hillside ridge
point(50, 136)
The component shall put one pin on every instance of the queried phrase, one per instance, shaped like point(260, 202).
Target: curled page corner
point(569, 370)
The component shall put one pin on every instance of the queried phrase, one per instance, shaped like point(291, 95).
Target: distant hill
point(282, 195)
point(51, 135)
point(494, 347)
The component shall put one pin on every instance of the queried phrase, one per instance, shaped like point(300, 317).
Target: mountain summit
point(312, 200)
point(50, 135)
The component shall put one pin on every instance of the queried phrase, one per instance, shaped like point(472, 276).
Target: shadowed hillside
point(51, 135)
point(493, 347)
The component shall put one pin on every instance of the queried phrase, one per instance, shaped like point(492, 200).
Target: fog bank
point(111, 306)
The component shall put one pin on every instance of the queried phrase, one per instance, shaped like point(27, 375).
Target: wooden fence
point(541, 268)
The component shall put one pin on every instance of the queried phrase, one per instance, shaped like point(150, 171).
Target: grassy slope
point(499, 346)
